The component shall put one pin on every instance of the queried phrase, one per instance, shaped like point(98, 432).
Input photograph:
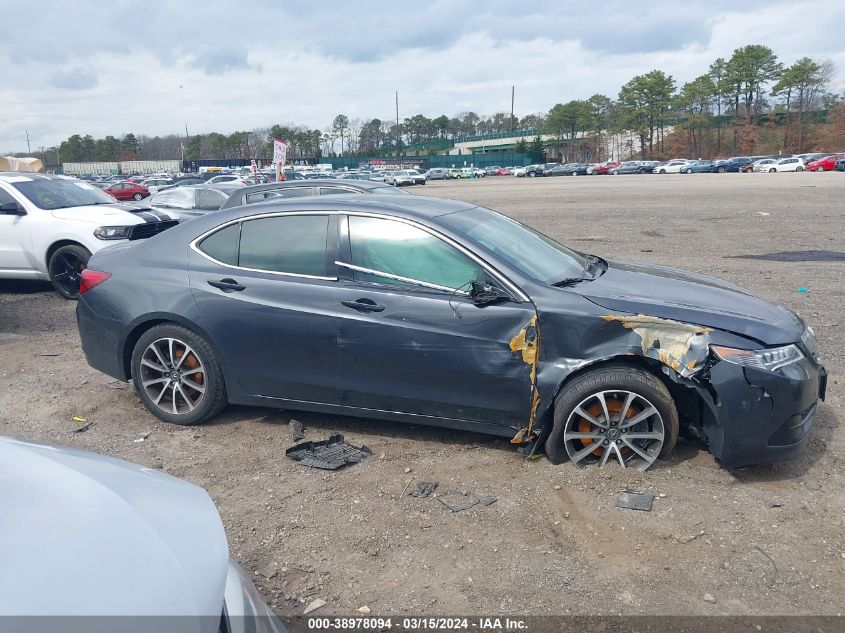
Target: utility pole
point(513, 89)
point(28, 148)
point(398, 133)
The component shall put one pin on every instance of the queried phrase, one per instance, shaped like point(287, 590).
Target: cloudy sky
point(149, 67)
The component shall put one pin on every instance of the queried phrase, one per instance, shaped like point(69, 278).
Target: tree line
point(748, 103)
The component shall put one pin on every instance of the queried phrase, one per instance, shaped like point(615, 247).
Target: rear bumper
point(102, 340)
point(763, 416)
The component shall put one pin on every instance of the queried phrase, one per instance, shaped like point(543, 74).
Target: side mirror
point(485, 294)
point(11, 208)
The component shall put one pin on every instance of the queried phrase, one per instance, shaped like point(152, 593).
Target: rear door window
point(294, 244)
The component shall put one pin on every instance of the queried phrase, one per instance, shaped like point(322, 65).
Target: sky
point(151, 67)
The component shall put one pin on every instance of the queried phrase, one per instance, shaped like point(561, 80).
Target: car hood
point(690, 297)
point(92, 535)
point(110, 214)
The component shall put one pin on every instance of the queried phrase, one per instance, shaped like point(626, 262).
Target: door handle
point(363, 305)
point(227, 285)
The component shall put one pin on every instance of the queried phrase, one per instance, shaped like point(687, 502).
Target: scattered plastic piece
point(803, 289)
point(487, 501)
point(423, 488)
point(314, 605)
point(297, 430)
point(328, 454)
point(635, 501)
point(142, 437)
point(458, 501)
point(79, 418)
point(83, 428)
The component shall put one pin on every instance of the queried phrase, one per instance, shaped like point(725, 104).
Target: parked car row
point(51, 225)
point(742, 164)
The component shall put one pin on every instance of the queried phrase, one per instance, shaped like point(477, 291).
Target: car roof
point(411, 206)
point(8, 175)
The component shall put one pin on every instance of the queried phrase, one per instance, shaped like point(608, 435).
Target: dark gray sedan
point(432, 311)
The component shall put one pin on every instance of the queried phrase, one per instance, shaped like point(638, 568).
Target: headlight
point(112, 232)
point(769, 359)
point(808, 338)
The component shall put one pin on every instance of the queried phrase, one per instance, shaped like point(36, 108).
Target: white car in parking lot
point(51, 225)
point(671, 167)
point(793, 163)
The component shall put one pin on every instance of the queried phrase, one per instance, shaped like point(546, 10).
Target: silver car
point(88, 535)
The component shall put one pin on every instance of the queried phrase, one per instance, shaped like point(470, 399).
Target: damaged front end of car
point(750, 403)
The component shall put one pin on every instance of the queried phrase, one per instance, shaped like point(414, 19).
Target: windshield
point(530, 252)
point(60, 194)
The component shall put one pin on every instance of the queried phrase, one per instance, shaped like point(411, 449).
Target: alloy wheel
point(618, 422)
point(65, 271)
point(173, 376)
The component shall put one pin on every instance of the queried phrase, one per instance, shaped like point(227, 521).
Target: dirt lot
point(763, 540)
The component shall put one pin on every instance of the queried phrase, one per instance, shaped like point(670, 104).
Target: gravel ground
point(762, 540)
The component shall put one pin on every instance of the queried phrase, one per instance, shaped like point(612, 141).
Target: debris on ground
point(268, 572)
point(632, 500)
point(423, 488)
point(328, 454)
point(457, 501)
point(683, 540)
point(708, 597)
point(142, 437)
point(83, 428)
point(118, 384)
point(364, 609)
point(314, 605)
point(79, 418)
point(297, 430)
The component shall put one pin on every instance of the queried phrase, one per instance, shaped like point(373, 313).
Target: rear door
point(265, 288)
point(410, 341)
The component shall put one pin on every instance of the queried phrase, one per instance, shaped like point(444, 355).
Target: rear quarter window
point(222, 245)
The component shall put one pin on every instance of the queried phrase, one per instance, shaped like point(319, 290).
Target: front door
point(410, 341)
point(265, 290)
point(15, 239)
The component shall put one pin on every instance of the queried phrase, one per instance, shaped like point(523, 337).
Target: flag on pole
point(280, 154)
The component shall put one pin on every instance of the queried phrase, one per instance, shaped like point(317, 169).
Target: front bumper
point(762, 416)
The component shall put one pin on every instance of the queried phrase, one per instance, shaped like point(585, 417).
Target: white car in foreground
point(50, 226)
point(793, 163)
point(129, 549)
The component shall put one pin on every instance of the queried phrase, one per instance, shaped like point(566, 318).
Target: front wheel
point(721, 170)
point(532, 175)
point(799, 169)
point(614, 412)
point(662, 171)
point(614, 173)
point(819, 168)
point(137, 196)
point(65, 267)
point(773, 170)
point(177, 375)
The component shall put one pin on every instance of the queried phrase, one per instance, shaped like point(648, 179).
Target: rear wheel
point(532, 175)
point(65, 266)
point(137, 196)
point(177, 375)
point(574, 173)
point(615, 412)
point(721, 170)
point(799, 168)
point(614, 173)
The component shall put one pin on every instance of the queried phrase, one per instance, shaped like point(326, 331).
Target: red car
point(605, 168)
point(828, 163)
point(127, 191)
point(504, 171)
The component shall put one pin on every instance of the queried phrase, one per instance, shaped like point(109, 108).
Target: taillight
point(91, 278)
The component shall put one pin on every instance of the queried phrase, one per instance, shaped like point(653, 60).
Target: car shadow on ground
point(25, 287)
point(321, 426)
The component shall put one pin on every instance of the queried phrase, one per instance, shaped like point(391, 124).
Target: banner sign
point(280, 152)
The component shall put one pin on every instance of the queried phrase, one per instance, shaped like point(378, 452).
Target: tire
point(137, 196)
point(614, 173)
point(574, 173)
point(64, 267)
point(611, 378)
point(773, 170)
point(721, 170)
point(532, 174)
point(819, 168)
point(207, 373)
point(662, 171)
point(799, 169)
point(688, 171)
